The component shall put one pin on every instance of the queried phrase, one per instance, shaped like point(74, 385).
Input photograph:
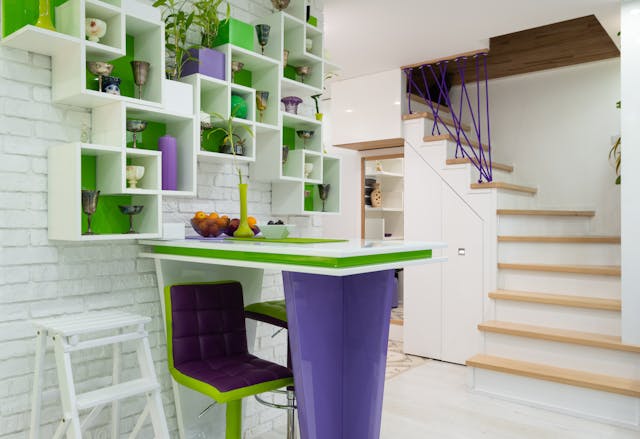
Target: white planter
point(177, 97)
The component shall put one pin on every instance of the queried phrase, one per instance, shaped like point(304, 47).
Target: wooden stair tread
point(505, 186)
point(543, 212)
point(563, 239)
point(441, 119)
point(373, 144)
point(558, 299)
point(420, 99)
point(449, 137)
point(494, 165)
point(559, 335)
point(573, 377)
point(606, 270)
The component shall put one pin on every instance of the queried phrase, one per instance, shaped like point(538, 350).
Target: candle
point(169, 148)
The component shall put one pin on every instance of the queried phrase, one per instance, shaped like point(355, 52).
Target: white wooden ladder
point(73, 333)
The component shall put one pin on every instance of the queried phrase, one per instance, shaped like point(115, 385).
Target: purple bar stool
point(207, 348)
point(274, 312)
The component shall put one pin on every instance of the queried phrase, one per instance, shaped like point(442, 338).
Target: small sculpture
point(95, 29)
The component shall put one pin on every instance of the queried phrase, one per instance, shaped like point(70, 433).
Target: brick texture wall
point(40, 278)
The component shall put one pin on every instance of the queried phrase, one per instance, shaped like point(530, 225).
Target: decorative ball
point(239, 107)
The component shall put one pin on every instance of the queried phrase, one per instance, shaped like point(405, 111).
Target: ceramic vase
point(243, 231)
point(44, 17)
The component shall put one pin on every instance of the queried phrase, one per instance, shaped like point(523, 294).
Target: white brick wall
point(39, 278)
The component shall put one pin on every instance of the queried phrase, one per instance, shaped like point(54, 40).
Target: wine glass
point(140, 74)
point(262, 98)
point(303, 71)
point(323, 190)
point(263, 35)
point(130, 210)
point(100, 69)
point(136, 126)
point(305, 135)
point(89, 206)
point(236, 66)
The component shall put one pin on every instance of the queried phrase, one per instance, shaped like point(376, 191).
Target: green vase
point(44, 17)
point(244, 231)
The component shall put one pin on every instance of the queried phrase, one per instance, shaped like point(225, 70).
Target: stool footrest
point(116, 392)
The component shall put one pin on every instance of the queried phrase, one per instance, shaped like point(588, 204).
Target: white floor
point(432, 401)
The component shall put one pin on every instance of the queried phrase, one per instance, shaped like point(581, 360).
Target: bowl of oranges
point(213, 225)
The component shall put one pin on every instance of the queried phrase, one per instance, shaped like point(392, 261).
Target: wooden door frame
point(362, 174)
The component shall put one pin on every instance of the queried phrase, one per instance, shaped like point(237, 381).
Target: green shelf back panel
point(212, 142)
point(121, 69)
point(289, 137)
point(148, 139)
point(290, 72)
point(19, 13)
point(308, 199)
point(235, 32)
point(108, 219)
point(243, 77)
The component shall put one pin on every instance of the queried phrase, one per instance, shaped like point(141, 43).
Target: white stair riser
point(561, 317)
point(559, 253)
point(567, 355)
point(591, 404)
point(542, 225)
point(560, 283)
point(516, 200)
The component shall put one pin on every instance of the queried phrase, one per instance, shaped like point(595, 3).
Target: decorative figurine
point(95, 29)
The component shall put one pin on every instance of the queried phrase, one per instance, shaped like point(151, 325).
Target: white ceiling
point(369, 36)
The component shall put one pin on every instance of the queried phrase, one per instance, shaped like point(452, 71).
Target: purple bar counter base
point(169, 148)
point(338, 333)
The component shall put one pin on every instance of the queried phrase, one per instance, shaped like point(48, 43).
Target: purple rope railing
point(465, 142)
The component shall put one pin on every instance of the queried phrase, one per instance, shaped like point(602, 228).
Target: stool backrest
point(205, 321)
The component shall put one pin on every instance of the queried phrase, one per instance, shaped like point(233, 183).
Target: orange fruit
point(213, 215)
point(200, 215)
point(252, 221)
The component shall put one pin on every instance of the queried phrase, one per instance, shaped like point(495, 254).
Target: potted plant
point(315, 100)
point(230, 137)
point(204, 59)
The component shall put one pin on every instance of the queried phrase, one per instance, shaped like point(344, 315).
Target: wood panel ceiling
point(562, 44)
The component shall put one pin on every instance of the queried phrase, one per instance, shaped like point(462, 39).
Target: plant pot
point(205, 61)
point(236, 32)
point(177, 96)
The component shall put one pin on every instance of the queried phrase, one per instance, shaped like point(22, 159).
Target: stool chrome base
point(290, 407)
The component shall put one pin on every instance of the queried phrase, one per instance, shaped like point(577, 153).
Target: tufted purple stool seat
point(207, 347)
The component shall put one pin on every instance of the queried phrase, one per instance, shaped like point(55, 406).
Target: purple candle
point(169, 148)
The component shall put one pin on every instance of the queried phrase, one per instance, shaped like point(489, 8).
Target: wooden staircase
point(554, 321)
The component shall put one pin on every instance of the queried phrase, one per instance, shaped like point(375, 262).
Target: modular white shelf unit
point(136, 31)
point(387, 221)
point(65, 219)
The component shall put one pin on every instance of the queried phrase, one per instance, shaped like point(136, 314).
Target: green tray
point(291, 240)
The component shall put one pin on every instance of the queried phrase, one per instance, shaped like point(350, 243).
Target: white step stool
point(65, 333)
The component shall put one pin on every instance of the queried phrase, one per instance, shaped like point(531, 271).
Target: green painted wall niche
point(108, 219)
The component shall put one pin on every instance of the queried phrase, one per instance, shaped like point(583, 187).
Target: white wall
point(630, 171)
point(367, 108)
point(39, 278)
point(556, 128)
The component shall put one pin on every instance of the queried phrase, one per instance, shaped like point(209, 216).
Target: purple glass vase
point(291, 104)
